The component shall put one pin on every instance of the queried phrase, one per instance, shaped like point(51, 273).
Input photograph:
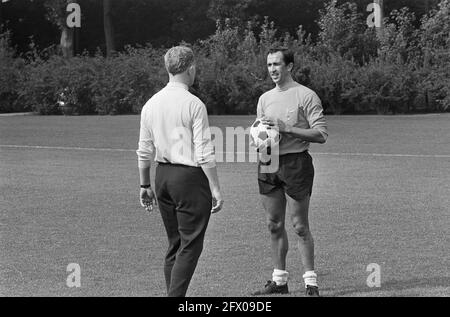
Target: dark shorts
point(295, 176)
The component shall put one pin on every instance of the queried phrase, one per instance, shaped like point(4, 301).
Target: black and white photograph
point(233, 154)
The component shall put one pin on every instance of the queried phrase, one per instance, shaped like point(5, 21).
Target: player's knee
point(275, 226)
point(301, 230)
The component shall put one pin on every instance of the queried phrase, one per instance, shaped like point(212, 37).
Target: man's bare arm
point(211, 174)
point(309, 135)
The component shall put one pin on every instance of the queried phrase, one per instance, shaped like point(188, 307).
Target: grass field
point(381, 195)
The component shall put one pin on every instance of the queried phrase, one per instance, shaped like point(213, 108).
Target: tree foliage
point(168, 22)
point(401, 69)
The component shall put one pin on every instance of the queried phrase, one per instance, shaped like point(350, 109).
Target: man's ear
point(290, 67)
point(190, 69)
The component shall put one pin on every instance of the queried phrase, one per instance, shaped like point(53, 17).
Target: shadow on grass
point(396, 285)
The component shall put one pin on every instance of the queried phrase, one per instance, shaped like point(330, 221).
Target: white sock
point(280, 277)
point(310, 278)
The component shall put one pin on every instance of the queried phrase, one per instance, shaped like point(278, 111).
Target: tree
point(1, 14)
point(56, 13)
point(231, 9)
point(435, 44)
point(398, 43)
point(108, 28)
point(343, 31)
point(419, 7)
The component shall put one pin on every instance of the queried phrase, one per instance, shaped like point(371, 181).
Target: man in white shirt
point(175, 130)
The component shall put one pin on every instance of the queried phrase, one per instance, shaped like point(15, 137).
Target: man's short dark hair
point(288, 55)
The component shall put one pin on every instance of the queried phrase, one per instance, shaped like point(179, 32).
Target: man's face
point(278, 70)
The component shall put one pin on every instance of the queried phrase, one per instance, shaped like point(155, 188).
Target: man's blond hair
point(178, 59)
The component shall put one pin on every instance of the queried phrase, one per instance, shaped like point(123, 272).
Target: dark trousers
point(185, 201)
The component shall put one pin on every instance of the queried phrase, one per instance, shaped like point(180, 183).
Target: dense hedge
point(10, 73)
point(404, 69)
point(94, 84)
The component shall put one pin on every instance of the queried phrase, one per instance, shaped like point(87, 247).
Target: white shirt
point(175, 129)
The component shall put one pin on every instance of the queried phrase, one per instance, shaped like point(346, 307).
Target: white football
point(263, 134)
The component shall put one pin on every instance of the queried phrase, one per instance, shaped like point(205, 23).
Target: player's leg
point(193, 226)
point(193, 199)
point(298, 211)
point(168, 215)
point(299, 176)
point(275, 206)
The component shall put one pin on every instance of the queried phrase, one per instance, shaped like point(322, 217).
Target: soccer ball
point(264, 135)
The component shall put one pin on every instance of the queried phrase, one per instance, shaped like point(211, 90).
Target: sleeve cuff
point(144, 164)
point(324, 134)
point(209, 164)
